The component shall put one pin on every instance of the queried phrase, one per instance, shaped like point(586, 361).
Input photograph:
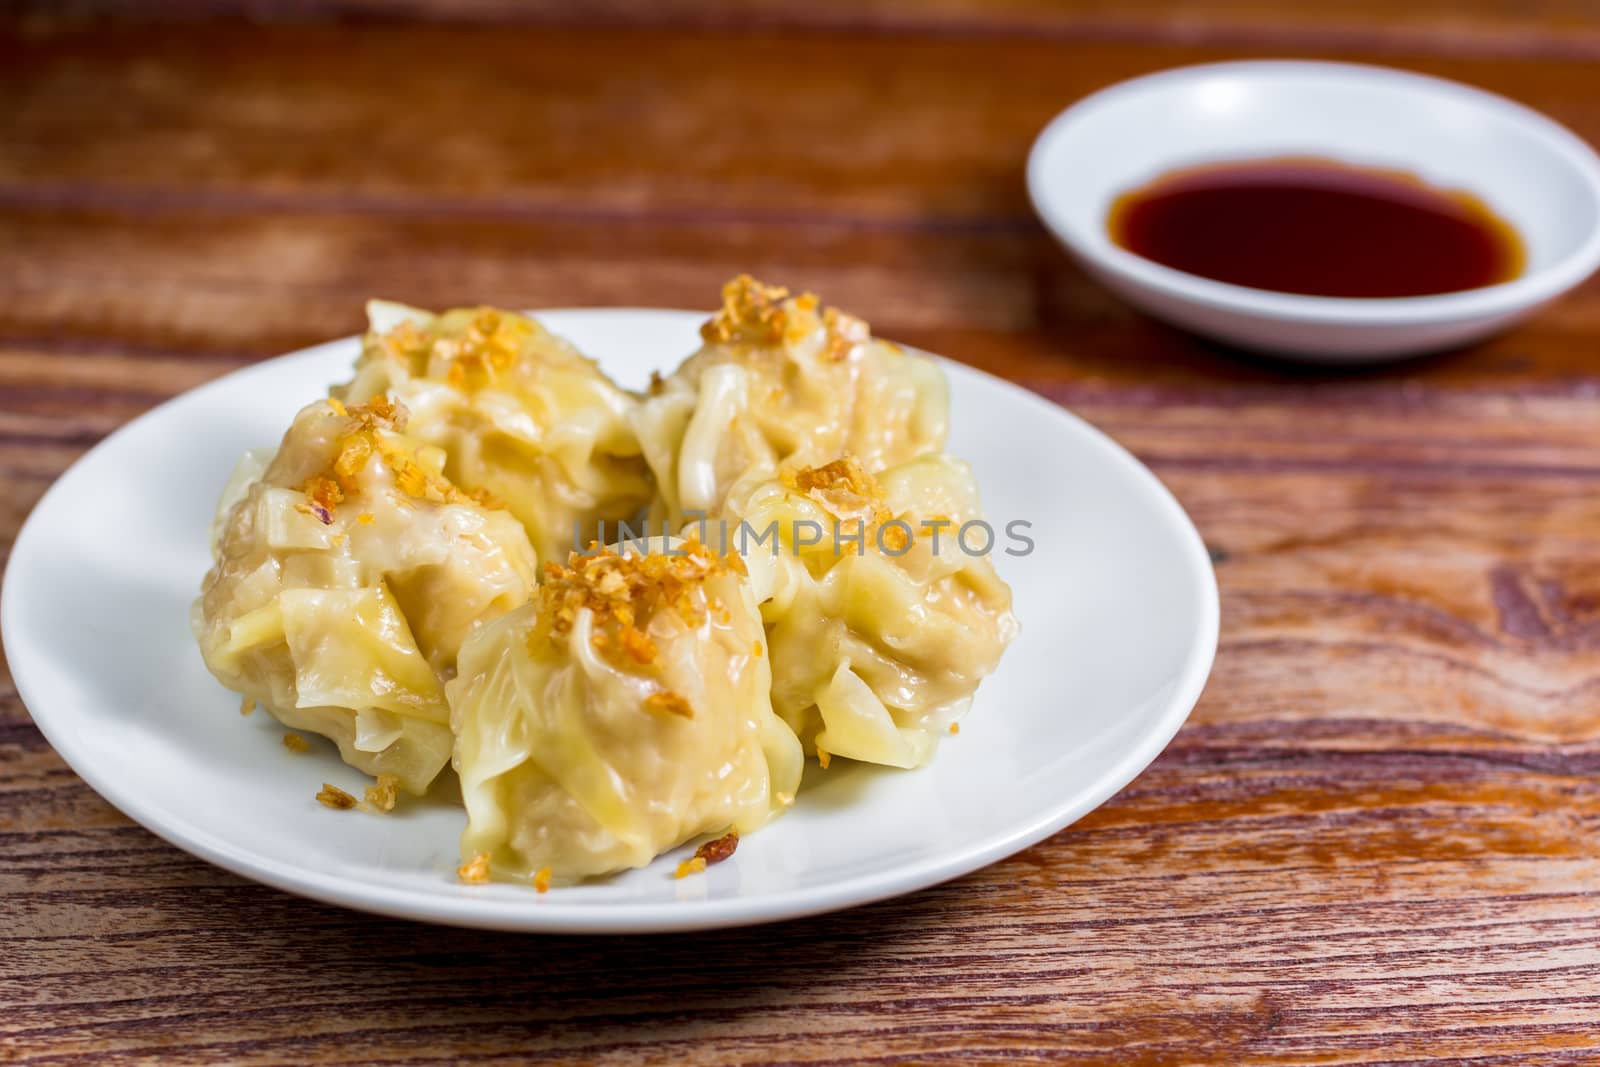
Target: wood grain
point(1377, 841)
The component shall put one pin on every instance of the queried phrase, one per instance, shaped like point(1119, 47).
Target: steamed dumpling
point(624, 711)
point(879, 636)
point(347, 575)
point(519, 413)
point(781, 379)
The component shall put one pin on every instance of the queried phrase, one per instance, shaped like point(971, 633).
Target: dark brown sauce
point(1317, 227)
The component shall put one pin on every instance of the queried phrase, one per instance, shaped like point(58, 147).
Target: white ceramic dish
point(1537, 175)
point(1118, 606)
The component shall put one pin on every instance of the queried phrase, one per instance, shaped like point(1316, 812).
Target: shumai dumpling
point(780, 379)
point(519, 413)
point(346, 577)
point(880, 623)
point(625, 711)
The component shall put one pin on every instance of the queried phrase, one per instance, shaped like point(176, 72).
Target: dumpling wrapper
point(518, 412)
point(623, 712)
point(782, 381)
point(347, 575)
point(878, 637)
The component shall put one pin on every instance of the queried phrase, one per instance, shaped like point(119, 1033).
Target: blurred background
point(221, 181)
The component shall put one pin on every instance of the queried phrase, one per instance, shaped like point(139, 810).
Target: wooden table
point(1377, 840)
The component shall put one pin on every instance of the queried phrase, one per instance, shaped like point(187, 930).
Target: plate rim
point(540, 914)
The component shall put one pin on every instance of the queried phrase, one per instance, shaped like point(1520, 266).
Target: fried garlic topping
point(384, 793)
point(476, 870)
point(333, 797)
point(625, 591)
point(757, 314)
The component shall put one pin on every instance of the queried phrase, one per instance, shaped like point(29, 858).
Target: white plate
point(1119, 624)
point(1537, 175)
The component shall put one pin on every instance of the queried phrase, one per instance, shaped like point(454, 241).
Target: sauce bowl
point(1534, 173)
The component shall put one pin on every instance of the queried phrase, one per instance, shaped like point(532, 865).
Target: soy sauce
point(1317, 227)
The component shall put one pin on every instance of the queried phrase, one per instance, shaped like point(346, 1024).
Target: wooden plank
point(1233, 904)
point(804, 128)
point(1378, 833)
point(231, 287)
point(1376, 840)
point(1442, 27)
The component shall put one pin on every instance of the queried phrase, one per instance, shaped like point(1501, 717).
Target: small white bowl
point(1534, 173)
